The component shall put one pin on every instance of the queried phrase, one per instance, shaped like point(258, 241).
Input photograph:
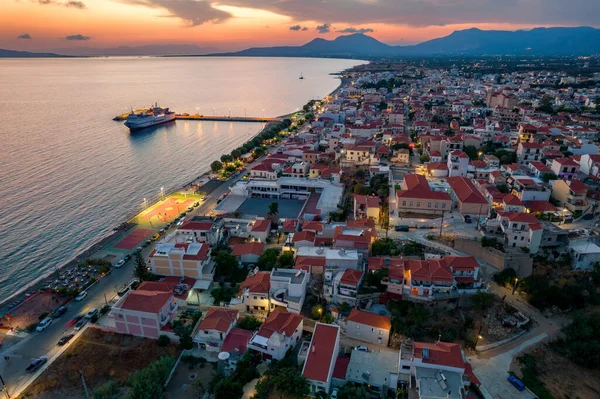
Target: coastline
point(15, 298)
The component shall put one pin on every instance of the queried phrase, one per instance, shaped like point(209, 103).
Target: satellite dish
point(223, 356)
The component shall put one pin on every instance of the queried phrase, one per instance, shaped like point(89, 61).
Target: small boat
point(301, 77)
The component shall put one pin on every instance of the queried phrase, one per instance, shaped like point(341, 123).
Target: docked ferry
point(154, 116)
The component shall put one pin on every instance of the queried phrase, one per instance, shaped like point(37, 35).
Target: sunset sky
point(43, 25)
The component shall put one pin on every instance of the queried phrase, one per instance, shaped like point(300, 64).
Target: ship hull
point(133, 127)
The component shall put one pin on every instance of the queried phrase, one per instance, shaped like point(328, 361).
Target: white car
point(120, 263)
point(43, 324)
point(81, 295)
point(91, 313)
point(334, 393)
point(361, 348)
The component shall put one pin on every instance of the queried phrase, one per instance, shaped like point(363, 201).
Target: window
point(429, 205)
point(372, 329)
point(358, 326)
point(522, 238)
point(411, 203)
point(443, 206)
point(418, 204)
point(255, 298)
point(436, 205)
point(380, 332)
point(206, 332)
point(403, 203)
point(425, 353)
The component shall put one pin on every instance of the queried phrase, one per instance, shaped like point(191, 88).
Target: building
point(571, 194)
point(253, 295)
point(279, 333)
point(263, 171)
point(437, 370)
point(458, 163)
point(521, 230)
point(182, 259)
point(512, 203)
point(378, 370)
point(214, 327)
point(366, 206)
point(288, 289)
point(369, 327)
point(322, 355)
point(249, 252)
point(529, 152)
point(203, 229)
point(565, 168)
point(468, 199)
point(261, 229)
point(590, 164)
point(584, 254)
point(422, 201)
point(334, 258)
point(145, 312)
point(344, 287)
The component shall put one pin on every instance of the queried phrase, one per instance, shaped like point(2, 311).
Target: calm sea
point(69, 174)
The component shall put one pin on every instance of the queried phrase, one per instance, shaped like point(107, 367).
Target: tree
point(503, 188)
point(483, 300)
point(384, 247)
point(291, 383)
point(227, 389)
point(148, 382)
point(273, 209)
point(163, 340)
point(226, 264)
point(140, 269)
point(222, 294)
point(345, 308)
point(360, 174)
point(424, 158)
point(328, 318)
point(505, 277)
point(249, 323)
point(316, 312)
point(268, 259)
point(184, 332)
point(286, 260)
point(471, 151)
point(350, 391)
point(216, 166)
point(226, 158)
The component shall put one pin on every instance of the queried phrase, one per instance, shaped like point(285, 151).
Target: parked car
point(181, 221)
point(44, 324)
point(64, 339)
point(190, 209)
point(334, 393)
point(139, 249)
point(127, 257)
point(468, 219)
point(59, 312)
point(182, 214)
point(401, 228)
point(36, 364)
point(120, 263)
point(196, 204)
point(91, 313)
point(517, 383)
point(79, 325)
point(155, 237)
point(81, 296)
point(204, 198)
point(361, 348)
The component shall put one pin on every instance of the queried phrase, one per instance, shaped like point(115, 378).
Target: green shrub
point(163, 340)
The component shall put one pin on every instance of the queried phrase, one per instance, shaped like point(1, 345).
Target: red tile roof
point(440, 353)
point(261, 225)
point(323, 241)
point(191, 225)
point(351, 277)
point(150, 297)
point(414, 182)
point(519, 217)
point(539, 166)
point(466, 191)
point(304, 236)
point(510, 199)
point(541, 206)
point(423, 194)
point(290, 225)
point(370, 201)
point(254, 248)
point(370, 319)
point(237, 338)
point(341, 367)
point(219, 319)
point(566, 162)
point(312, 225)
point(321, 353)
point(259, 283)
point(430, 270)
point(280, 321)
point(436, 166)
point(578, 187)
point(461, 262)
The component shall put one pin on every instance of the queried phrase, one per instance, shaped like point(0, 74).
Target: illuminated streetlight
point(515, 285)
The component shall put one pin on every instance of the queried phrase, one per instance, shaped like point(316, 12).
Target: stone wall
point(521, 263)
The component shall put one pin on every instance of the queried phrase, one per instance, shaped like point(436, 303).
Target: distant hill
point(538, 41)
point(147, 50)
point(26, 54)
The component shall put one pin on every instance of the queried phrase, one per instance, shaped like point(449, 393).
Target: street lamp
point(515, 285)
point(162, 192)
point(477, 340)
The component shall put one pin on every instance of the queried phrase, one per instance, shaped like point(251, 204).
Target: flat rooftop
point(292, 274)
point(439, 384)
point(288, 209)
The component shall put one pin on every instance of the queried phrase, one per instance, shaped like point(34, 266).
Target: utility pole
point(105, 301)
point(4, 388)
point(442, 223)
point(87, 394)
point(479, 216)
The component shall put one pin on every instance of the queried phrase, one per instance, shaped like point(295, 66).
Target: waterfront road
point(37, 344)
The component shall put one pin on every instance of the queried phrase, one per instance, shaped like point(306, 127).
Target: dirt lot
point(102, 356)
point(186, 377)
point(562, 377)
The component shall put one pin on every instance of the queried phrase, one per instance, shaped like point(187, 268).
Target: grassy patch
point(530, 377)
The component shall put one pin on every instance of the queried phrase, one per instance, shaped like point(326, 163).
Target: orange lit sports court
point(165, 211)
point(134, 239)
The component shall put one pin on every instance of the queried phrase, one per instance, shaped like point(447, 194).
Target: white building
point(320, 362)
point(288, 289)
point(584, 254)
point(334, 258)
point(279, 333)
point(458, 163)
point(379, 370)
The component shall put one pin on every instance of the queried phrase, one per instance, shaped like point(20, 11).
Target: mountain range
point(538, 41)
point(26, 54)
